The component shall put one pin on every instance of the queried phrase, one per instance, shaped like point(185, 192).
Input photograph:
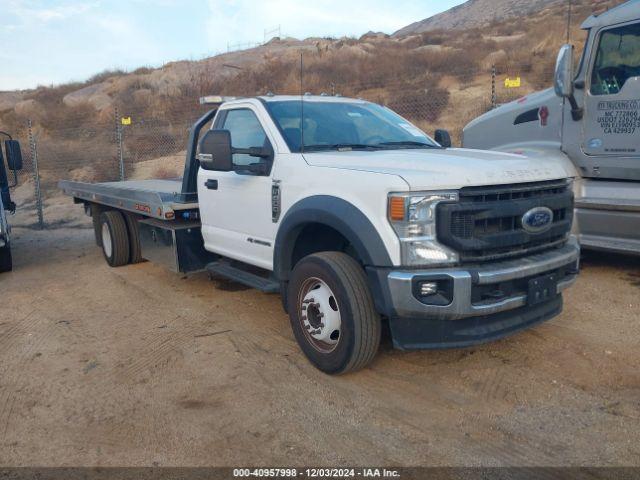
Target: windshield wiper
point(408, 143)
point(342, 146)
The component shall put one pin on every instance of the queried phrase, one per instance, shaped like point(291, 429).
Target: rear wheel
point(6, 262)
point(114, 238)
point(96, 213)
point(332, 312)
point(135, 251)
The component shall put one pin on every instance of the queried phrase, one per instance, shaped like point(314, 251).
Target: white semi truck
point(354, 215)
point(14, 163)
point(590, 120)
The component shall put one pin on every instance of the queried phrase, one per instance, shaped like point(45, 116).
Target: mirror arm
point(576, 112)
point(253, 152)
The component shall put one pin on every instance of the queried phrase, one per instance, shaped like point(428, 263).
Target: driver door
point(235, 206)
point(611, 122)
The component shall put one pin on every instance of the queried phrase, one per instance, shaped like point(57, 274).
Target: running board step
point(253, 280)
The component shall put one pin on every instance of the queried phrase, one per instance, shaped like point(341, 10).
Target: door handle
point(211, 184)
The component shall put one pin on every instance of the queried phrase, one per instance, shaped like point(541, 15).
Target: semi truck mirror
point(563, 84)
point(14, 154)
point(443, 138)
point(215, 151)
point(564, 72)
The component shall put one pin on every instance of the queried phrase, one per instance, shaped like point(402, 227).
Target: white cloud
point(38, 11)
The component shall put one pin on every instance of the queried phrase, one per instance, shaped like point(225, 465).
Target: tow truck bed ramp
point(152, 198)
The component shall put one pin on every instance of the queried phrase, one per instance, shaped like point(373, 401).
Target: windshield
point(345, 126)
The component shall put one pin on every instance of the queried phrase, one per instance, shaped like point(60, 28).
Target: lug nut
point(309, 300)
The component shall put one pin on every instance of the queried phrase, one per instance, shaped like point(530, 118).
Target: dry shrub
point(145, 146)
point(421, 105)
point(165, 173)
point(105, 75)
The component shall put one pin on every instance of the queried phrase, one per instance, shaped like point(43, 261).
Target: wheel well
point(317, 237)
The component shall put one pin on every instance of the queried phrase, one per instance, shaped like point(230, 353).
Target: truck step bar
point(225, 269)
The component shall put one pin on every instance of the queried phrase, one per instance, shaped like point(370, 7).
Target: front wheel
point(332, 312)
point(6, 263)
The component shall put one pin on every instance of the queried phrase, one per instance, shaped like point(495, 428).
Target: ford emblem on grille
point(537, 220)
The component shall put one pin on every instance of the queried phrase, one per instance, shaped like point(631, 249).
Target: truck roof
point(219, 100)
point(622, 13)
point(310, 98)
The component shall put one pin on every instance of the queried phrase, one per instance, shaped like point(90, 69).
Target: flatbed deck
point(152, 198)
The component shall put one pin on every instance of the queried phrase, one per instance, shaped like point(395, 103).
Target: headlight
point(413, 217)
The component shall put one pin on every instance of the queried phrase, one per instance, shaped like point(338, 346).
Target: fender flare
point(338, 214)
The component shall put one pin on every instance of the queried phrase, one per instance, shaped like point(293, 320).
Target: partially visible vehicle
point(591, 120)
point(14, 163)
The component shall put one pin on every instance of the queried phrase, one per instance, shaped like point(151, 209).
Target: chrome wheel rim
point(319, 315)
point(106, 240)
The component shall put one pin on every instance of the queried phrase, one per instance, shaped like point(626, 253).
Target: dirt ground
point(138, 366)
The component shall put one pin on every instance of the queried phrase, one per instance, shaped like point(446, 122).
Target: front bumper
point(486, 301)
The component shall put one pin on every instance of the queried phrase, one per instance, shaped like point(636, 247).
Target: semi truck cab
point(591, 119)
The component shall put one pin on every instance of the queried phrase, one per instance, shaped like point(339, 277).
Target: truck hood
point(444, 169)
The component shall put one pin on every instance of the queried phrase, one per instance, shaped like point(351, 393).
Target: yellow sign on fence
point(512, 82)
point(125, 120)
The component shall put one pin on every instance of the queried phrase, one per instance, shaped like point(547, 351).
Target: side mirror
point(14, 154)
point(443, 138)
point(215, 151)
point(563, 80)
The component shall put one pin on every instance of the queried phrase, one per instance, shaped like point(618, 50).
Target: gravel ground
point(139, 366)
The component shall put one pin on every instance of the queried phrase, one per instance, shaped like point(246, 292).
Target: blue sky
point(48, 42)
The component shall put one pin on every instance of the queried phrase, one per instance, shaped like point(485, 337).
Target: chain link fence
point(147, 139)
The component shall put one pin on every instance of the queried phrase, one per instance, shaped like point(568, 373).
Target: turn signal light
point(396, 208)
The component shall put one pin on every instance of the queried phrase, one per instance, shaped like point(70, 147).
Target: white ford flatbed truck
point(356, 217)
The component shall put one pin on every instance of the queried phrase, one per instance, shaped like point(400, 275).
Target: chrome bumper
point(405, 304)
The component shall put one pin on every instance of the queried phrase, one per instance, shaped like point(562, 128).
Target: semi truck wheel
point(135, 251)
point(332, 313)
point(6, 262)
point(115, 239)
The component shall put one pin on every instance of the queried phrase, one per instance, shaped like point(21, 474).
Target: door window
point(246, 132)
point(617, 60)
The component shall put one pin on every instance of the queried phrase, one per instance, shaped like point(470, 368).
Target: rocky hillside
point(478, 13)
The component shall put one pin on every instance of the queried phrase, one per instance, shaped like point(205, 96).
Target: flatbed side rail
point(153, 204)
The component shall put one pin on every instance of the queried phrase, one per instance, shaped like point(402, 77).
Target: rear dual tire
point(118, 234)
point(114, 238)
point(329, 290)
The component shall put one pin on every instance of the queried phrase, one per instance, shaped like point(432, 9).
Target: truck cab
point(590, 119)
point(13, 156)
point(320, 189)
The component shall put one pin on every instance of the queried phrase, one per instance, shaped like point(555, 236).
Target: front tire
point(115, 239)
point(332, 312)
point(6, 262)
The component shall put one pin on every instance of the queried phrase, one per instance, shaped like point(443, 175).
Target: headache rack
point(486, 223)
